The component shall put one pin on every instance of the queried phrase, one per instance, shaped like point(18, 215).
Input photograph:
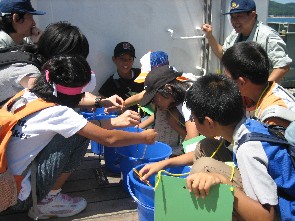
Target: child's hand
point(150, 169)
point(200, 183)
point(36, 34)
point(149, 136)
point(128, 119)
point(113, 103)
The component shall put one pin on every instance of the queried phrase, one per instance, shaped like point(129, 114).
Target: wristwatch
point(97, 101)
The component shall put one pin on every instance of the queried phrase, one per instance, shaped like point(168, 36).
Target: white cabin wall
point(144, 23)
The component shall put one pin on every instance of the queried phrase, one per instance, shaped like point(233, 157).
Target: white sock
point(54, 192)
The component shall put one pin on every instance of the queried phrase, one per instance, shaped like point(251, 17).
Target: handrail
point(186, 37)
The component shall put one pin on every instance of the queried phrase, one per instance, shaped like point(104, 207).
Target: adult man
point(17, 23)
point(122, 82)
point(247, 28)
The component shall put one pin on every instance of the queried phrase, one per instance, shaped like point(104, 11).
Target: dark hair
point(66, 70)
point(247, 59)
point(6, 22)
point(217, 97)
point(63, 38)
point(177, 89)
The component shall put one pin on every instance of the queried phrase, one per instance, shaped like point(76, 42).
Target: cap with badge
point(149, 61)
point(237, 6)
point(18, 6)
point(124, 48)
point(156, 79)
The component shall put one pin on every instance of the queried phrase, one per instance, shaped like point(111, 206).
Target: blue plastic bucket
point(99, 114)
point(133, 155)
point(112, 160)
point(144, 195)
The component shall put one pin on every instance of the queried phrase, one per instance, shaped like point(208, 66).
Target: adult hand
point(113, 103)
point(207, 29)
point(127, 119)
point(149, 136)
point(36, 34)
point(151, 168)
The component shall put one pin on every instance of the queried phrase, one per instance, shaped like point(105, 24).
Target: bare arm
point(277, 121)
point(147, 122)
point(181, 160)
point(116, 138)
point(278, 73)
point(127, 119)
point(27, 82)
point(191, 130)
point(112, 103)
point(215, 46)
point(134, 99)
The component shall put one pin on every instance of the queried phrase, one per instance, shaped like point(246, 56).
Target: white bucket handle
point(135, 198)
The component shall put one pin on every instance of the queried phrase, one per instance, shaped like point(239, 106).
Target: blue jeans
point(60, 155)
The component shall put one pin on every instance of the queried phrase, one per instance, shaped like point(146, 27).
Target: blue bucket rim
point(134, 197)
point(131, 177)
point(155, 158)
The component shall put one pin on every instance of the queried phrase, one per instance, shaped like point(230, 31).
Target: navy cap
point(124, 48)
point(21, 6)
point(237, 6)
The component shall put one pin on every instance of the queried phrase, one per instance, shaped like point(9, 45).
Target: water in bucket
point(133, 155)
point(143, 194)
point(111, 157)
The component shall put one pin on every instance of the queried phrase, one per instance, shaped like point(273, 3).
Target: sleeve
point(257, 183)
point(229, 41)
point(186, 113)
point(23, 69)
point(277, 50)
point(64, 120)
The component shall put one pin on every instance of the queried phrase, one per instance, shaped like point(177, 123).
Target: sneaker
point(60, 205)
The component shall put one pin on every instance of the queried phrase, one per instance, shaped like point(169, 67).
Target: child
point(261, 185)
point(122, 82)
point(57, 137)
point(149, 61)
point(248, 65)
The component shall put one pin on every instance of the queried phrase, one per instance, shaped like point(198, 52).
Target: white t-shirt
point(185, 112)
point(34, 132)
point(253, 164)
point(11, 75)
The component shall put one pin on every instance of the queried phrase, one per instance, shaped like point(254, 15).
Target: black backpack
point(11, 56)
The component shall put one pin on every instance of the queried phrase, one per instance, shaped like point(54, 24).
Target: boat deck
point(106, 201)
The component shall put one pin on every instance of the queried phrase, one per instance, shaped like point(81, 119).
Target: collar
point(238, 133)
point(116, 75)
point(254, 33)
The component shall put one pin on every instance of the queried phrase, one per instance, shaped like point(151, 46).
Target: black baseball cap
point(124, 48)
point(156, 79)
point(21, 6)
point(237, 6)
